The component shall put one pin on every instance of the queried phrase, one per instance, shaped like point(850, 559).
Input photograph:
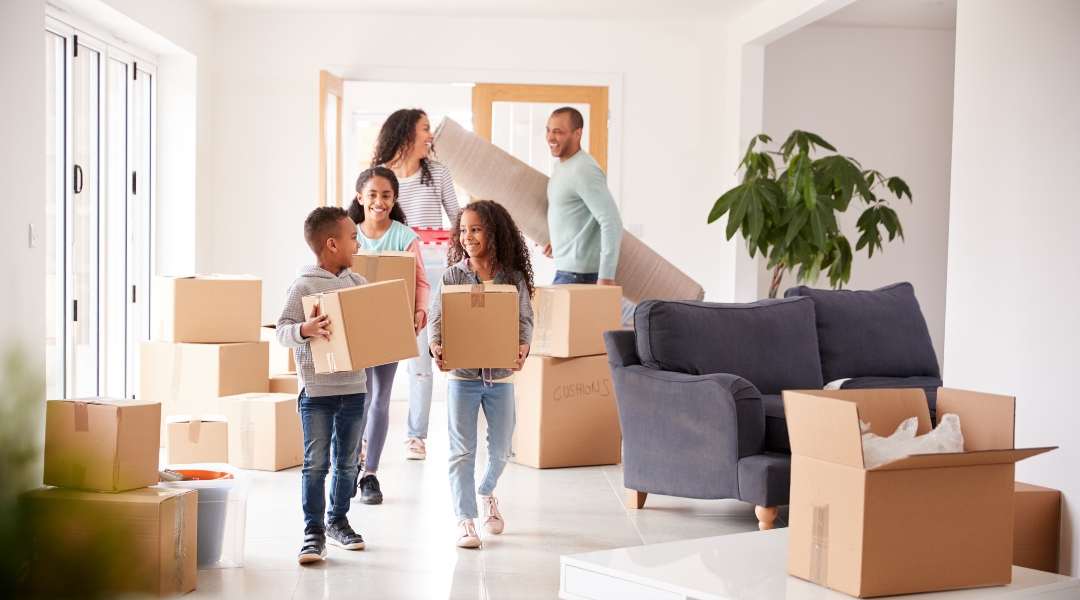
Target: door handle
point(78, 179)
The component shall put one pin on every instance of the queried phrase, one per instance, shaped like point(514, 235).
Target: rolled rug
point(490, 173)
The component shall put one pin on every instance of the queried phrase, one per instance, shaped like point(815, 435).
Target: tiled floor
point(410, 537)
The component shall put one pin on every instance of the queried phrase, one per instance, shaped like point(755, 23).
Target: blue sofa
point(699, 384)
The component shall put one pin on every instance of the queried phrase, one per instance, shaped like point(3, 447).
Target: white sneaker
point(493, 521)
point(415, 449)
point(467, 537)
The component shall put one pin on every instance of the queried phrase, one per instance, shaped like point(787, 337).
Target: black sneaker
point(340, 533)
point(314, 547)
point(370, 493)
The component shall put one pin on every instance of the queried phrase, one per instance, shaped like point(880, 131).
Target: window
point(99, 182)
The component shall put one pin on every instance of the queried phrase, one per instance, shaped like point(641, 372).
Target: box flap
point(885, 409)
point(119, 402)
point(824, 428)
point(988, 421)
point(961, 459)
point(400, 253)
point(147, 495)
point(489, 288)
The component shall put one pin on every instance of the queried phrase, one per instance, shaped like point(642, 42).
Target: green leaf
point(816, 139)
point(723, 204)
point(899, 187)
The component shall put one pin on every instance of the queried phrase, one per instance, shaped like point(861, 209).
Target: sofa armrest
point(621, 347)
point(683, 435)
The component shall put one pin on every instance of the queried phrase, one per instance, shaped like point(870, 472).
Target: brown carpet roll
point(490, 173)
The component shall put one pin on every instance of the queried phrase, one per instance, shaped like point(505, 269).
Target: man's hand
point(605, 282)
point(418, 322)
point(316, 325)
point(523, 352)
point(546, 250)
point(436, 351)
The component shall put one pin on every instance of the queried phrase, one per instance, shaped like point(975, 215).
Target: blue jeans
point(420, 383)
point(331, 425)
point(463, 402)
point(380, 381)
point(562, 277)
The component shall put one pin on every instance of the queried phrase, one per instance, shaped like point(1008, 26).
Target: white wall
point(266, 118)
point(1012, 324)
point(884, 97)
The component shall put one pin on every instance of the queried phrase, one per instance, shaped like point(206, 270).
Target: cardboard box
point(187, 379)
point(207, 309)
point(281, 358)
point(370, 325)
point(917, 524)
point(480, 326)
point(1036, 527)
point(136, 542)
point(190, 440)
point(102, 444)
point(571, 319)
point(388, 265)
point(265, 432)
point(286, 383)
point(566, 413)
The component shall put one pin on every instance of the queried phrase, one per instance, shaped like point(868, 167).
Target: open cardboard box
point(917, 524)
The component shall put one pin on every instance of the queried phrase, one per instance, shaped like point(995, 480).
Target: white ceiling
point(910, 14)
point(551, 9)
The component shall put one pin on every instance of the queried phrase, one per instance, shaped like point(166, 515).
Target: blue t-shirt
point(396, 239)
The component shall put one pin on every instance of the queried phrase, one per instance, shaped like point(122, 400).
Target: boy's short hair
point(322, 224)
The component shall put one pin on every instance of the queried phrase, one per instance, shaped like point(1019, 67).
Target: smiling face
point(423, 138)
point(377, 198)
point(562, 139)
point(472, 235)
point(342, 246)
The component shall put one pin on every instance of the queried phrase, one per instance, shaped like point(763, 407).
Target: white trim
point(613, 81)
point(55, 15)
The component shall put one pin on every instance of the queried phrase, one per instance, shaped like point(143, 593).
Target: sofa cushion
point(771, 343)
point(928, 385)
point(879, 333)
point(776, 437)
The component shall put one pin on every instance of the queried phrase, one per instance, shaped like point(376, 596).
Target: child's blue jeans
point(464, 398)
point(332, 426)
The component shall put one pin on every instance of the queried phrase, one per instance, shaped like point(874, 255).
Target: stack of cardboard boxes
point(566, 411)
point(283, 377)
point(138, 539)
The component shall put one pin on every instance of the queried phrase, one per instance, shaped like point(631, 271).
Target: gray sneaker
point(340, 533)
point(314, 547)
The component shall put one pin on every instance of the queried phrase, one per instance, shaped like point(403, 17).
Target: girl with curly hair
point(404, 146)
point(488, 248)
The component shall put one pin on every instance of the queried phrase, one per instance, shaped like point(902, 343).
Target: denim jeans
point(331, 426)
point(380, 381)
point(562, 277)
point(420, 383)
point(463, 402)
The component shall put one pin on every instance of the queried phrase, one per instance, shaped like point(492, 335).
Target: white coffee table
point(745, 566)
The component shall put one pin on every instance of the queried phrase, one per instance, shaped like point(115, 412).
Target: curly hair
point(356, 209)
point(506, 241)
point(396, 139)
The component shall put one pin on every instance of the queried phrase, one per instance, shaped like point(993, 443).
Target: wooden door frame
point(484, 94)
point(330, 84)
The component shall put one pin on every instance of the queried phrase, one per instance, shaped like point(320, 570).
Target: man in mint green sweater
point(583, 221)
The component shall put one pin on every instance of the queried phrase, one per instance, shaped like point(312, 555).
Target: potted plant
point(791, 217)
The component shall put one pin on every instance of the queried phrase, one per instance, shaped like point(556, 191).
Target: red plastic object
point(200, 475)
point(433, 235)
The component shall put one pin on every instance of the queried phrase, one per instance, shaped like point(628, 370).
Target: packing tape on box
point(82, 416)
point(194, 428)
point(178, 363)
point(371, 267)
point(179, 549)
point(542, 333)
point(247, 435)
point(819, 546)
point(476, 295)
point(330, 362)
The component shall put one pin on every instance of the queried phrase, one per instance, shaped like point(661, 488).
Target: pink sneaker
point(467, 537)
point(493, 521)
point(415, 449)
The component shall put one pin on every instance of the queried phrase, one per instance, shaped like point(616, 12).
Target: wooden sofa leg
point(635, 499)
point(765, 516)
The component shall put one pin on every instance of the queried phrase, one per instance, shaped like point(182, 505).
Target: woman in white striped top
point(425, 192)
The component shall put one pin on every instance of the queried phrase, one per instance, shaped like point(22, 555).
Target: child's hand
point(316, 325)
point(523, 351)
point(436, 350)
point(418, 321)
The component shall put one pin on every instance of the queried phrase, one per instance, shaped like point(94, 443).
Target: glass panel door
point(82, 217)
point(55, 186)
point(114, 236)
point(518, 128)
point(140, 224)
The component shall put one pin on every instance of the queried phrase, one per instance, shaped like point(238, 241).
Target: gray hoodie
point(460, 274)
point(313, 280)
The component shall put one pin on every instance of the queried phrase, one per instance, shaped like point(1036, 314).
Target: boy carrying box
point(332, 404)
